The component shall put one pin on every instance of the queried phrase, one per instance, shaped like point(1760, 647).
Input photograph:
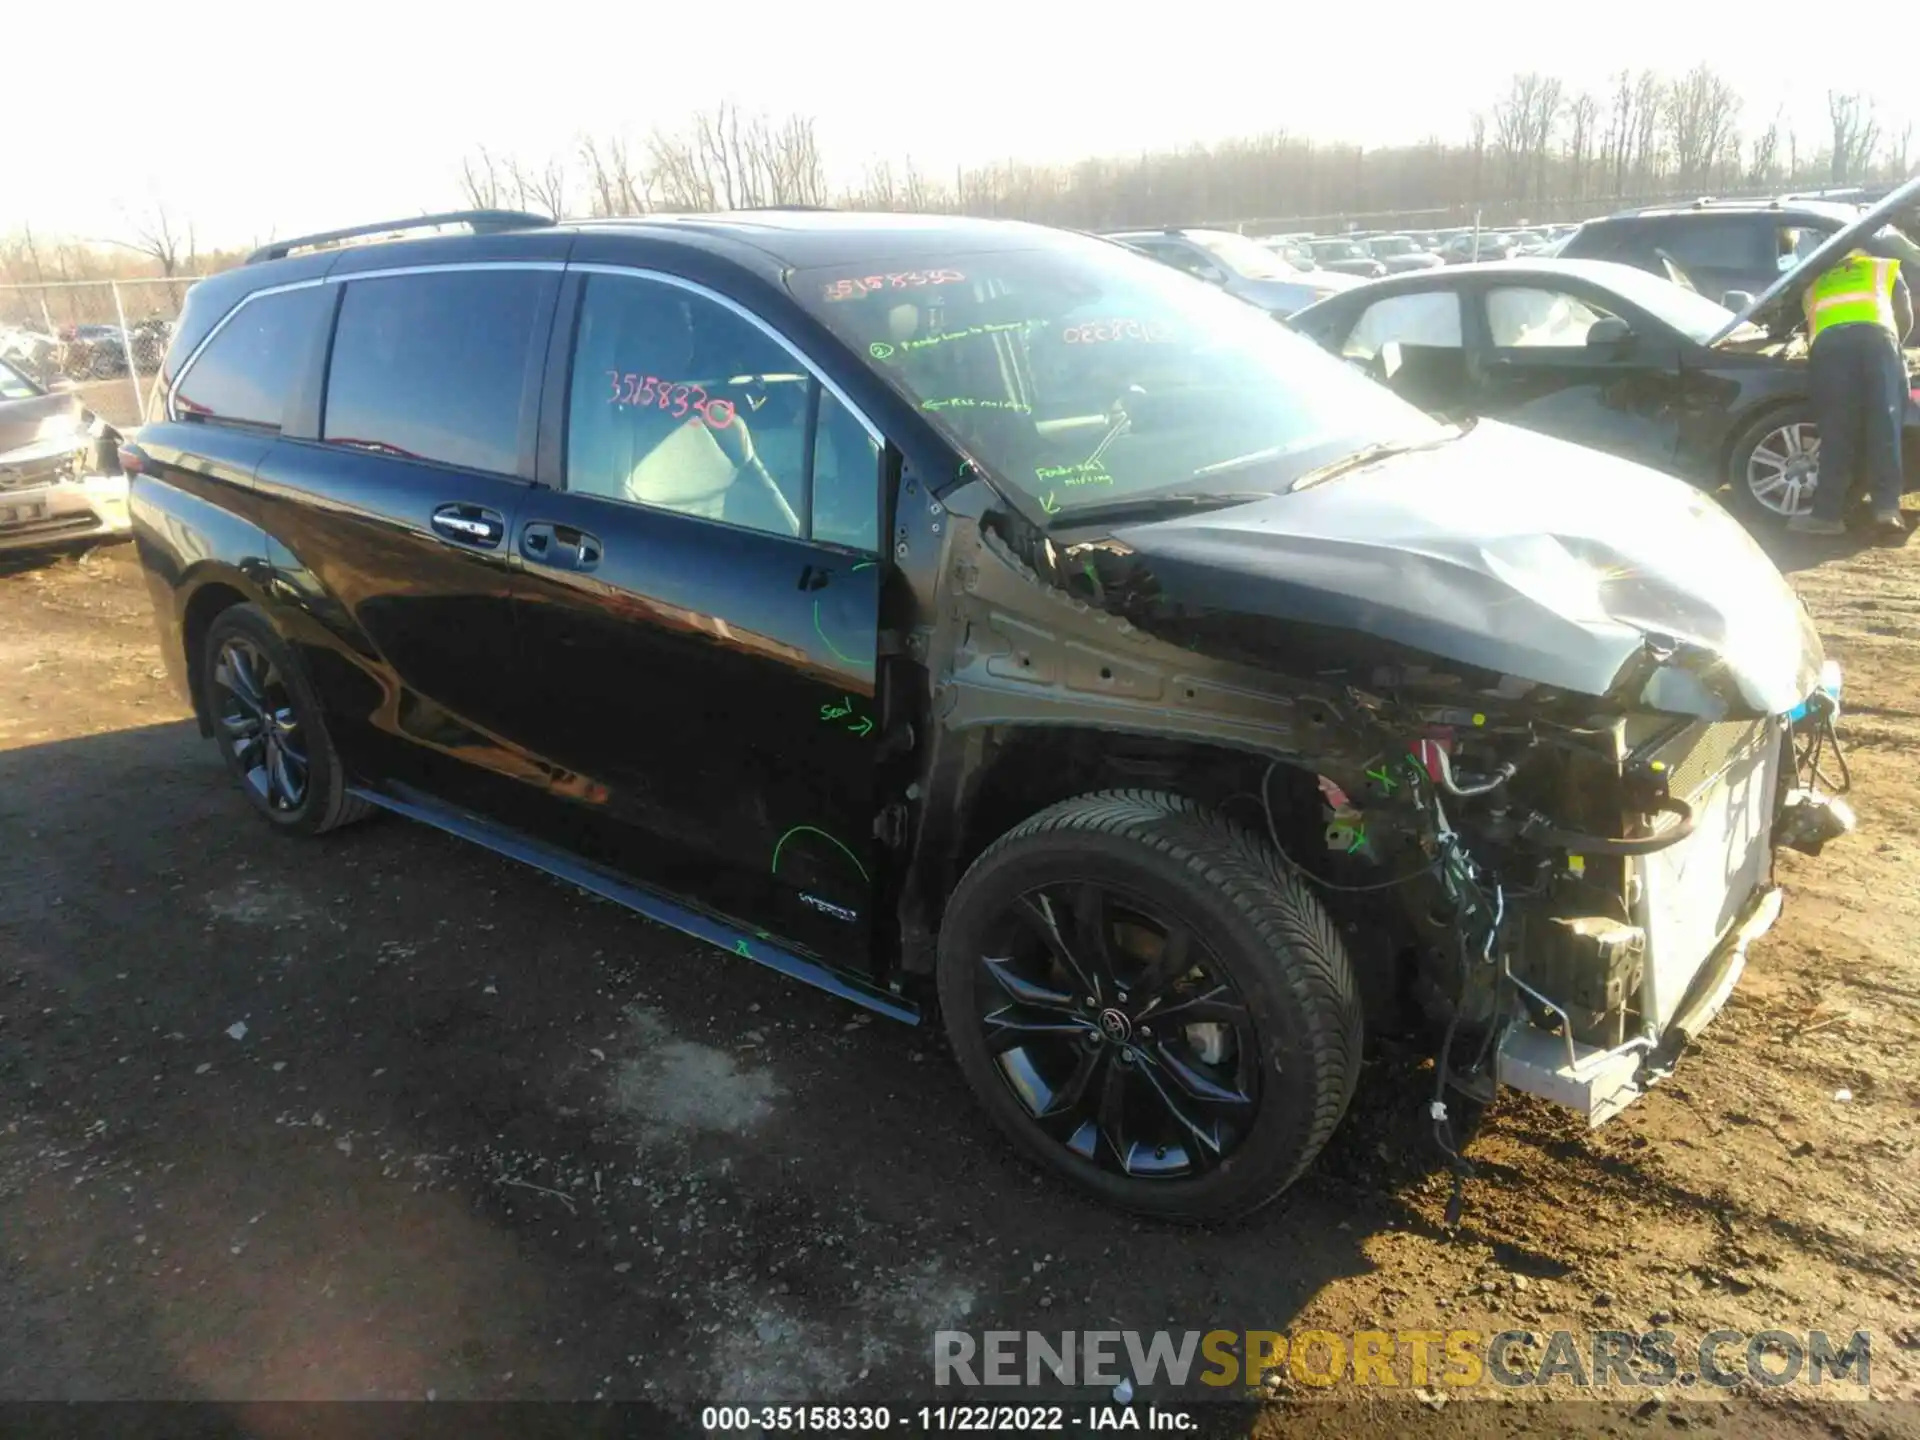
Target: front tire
point(1773, 466)
point(268, 723)
point(1150, 1005)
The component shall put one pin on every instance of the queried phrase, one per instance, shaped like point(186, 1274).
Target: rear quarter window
point(247, 370)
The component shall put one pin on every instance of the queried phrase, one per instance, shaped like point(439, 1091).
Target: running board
point(670, 913)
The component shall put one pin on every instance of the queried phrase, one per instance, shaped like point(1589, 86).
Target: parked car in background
point(936, 609)
point(1401, 253)
point(1346, 257)
point(60, 477)
point(1241, 266)
point(1609, 356)
point(1470, 246)
point(1729, 248)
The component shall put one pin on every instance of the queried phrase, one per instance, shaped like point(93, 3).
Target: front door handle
point(560, 547)
point(470, 525)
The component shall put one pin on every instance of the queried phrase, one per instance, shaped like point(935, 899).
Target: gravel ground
point(385, 1116)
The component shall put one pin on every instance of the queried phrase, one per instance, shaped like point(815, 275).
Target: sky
point(269, 118)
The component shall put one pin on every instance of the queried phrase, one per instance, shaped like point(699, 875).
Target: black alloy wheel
point(1150, 1004)
point(259, 725)
point(1119, 1033)
point(264, 714)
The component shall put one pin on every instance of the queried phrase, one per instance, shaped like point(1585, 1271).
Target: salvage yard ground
point(385, 1115)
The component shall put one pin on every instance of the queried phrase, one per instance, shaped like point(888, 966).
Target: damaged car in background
point(1057, 646)
point(1607, 355)
point(60, 474)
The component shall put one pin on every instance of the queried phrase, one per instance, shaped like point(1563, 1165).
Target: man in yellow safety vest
point(1859, 313)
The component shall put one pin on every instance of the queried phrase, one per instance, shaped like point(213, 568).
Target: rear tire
point(1262, 1006)
point(270, 728)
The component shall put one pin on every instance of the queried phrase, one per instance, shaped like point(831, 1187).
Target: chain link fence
point(103, 339)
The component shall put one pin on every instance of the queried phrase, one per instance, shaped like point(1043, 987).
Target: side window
point(1521, 316)
point(434, 366)
point(680, 402)
point(249, 368)
point(846, 479)
point(1430, 318)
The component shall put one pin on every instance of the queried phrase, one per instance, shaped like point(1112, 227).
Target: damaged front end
point(1539, 770)
point(1583, 894)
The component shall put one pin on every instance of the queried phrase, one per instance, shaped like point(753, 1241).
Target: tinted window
point(680, 402)
point(1719, 243)
point(434, 366)
point(251, 365)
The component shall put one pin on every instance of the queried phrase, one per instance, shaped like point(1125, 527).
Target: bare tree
point(1856, 134)
point(613, 188)
point(1765, 153)
point(1583, 115)
point(1701, 111)
point(480, 181)
point(1898, 149)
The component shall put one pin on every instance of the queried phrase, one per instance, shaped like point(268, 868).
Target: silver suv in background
point(1239, 265)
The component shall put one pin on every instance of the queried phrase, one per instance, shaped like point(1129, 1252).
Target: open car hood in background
point(1515, 553)
point(1783, 296)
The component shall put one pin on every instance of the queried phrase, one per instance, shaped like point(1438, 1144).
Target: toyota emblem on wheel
point(1115, 1025)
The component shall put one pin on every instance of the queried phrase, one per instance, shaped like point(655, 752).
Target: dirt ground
point(384, 1115)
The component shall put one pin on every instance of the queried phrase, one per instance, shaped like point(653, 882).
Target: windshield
point(1339, 250)
point(1389, 245)
point(14, 385)
point(1083, 373)
point(1248, 257)
point(1687, 311)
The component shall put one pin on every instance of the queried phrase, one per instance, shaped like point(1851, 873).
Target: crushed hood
point(1781, 300)
point(1515, 553)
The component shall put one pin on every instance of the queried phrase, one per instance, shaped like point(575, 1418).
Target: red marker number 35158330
point(632, 388)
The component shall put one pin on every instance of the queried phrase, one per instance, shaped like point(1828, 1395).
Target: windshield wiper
point(1154, 507)
point(1366, 456)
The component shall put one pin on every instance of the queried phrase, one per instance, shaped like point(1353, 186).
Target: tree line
point(1539, 151)
point(1539, 147)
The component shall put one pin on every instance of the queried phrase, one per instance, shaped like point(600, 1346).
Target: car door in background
point(1559, 359)
point(699, 610)
point(390, 511)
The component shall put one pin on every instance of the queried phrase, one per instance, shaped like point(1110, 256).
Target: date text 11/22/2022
point(943, 1419)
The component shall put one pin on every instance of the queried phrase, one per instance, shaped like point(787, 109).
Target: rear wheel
point(268, 723)
point(1774, 466)
point(1150, 1005)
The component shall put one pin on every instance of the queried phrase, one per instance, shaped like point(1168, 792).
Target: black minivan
point(980, 619)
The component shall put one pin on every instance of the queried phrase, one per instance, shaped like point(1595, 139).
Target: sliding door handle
point(559, 547)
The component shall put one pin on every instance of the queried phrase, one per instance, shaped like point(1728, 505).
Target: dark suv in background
point(1729, 250)
point(967, 615)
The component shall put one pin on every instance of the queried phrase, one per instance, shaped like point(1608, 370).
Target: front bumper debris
point(84, 508)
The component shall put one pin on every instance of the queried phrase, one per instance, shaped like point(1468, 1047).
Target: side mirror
point(1389, 360)
point(1737, 300)
point(1609, 330)
point(1212, 274)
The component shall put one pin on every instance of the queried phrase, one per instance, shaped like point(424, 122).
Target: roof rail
point(481, 222)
